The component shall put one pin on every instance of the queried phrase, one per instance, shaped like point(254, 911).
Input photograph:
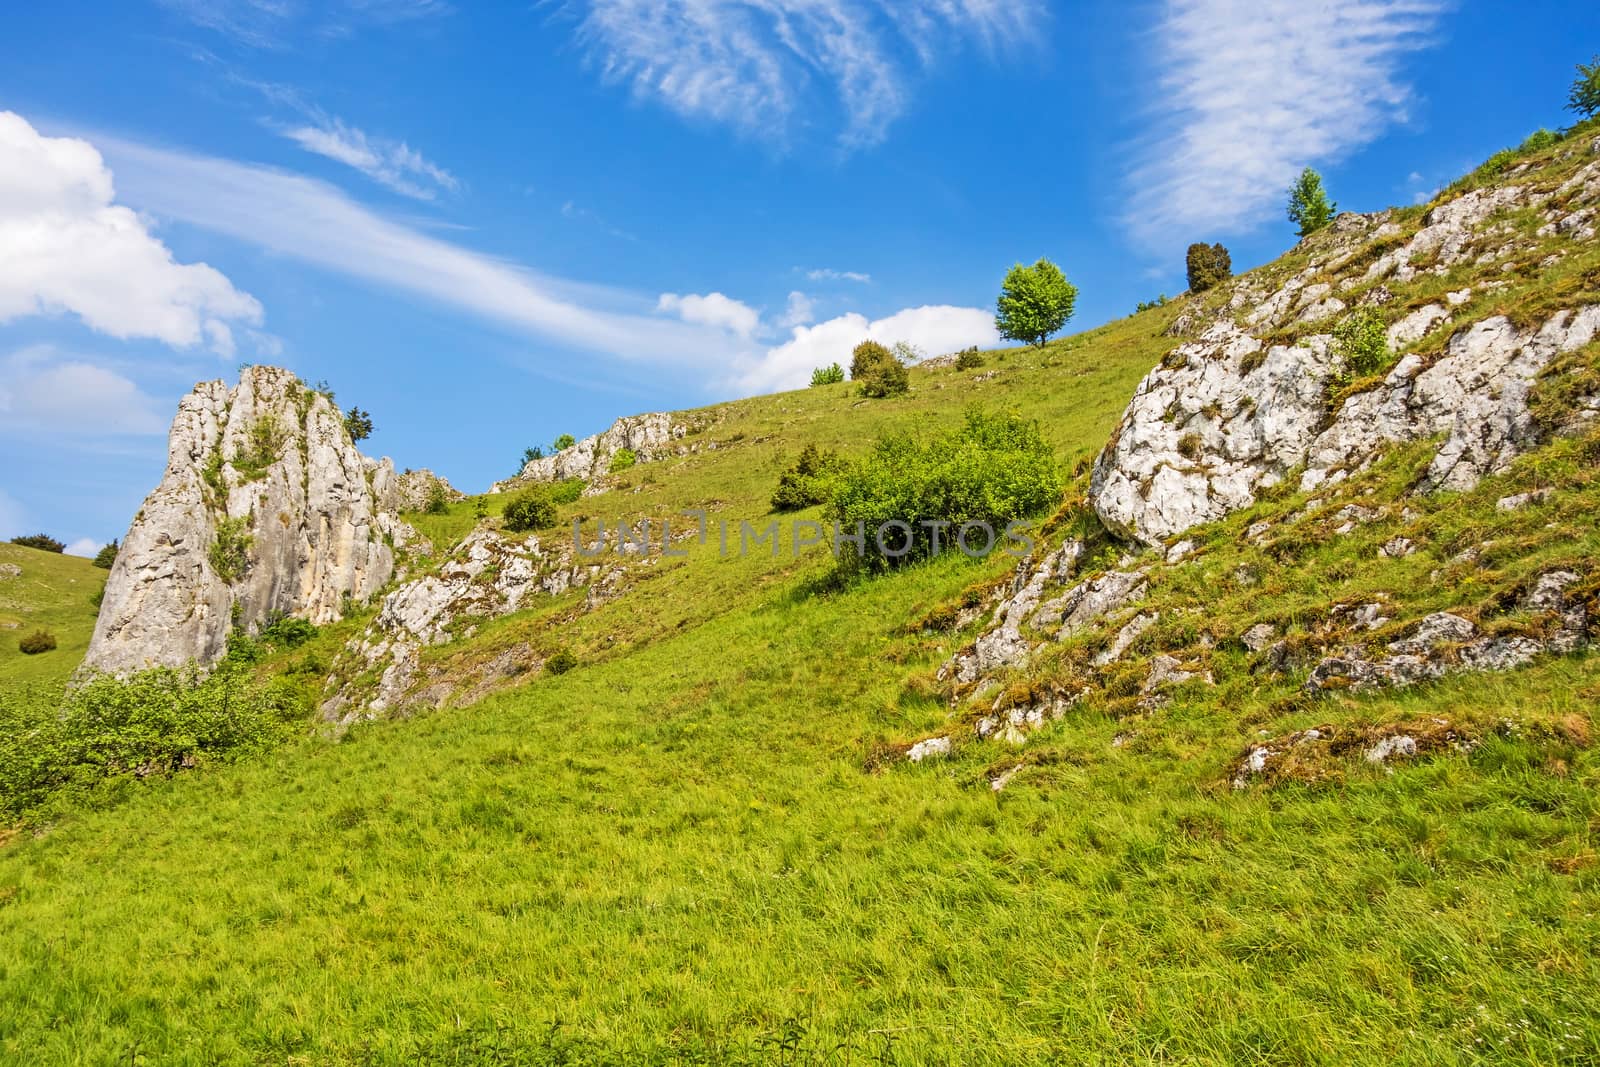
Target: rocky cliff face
point(647, 436)
point(1257, 396)
point(266, 508)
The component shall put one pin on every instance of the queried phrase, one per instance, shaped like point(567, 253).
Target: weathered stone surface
point(270, 464)
point(647, 436)
point(1125, 638)
point(928, 749)
point(1259, 636)
point(1231, 413)
point(1258, 415)
point(414, 489)
point(10, 570)
point(487, 575)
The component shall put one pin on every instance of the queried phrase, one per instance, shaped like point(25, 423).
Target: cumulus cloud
point(43, 392)
point(753, 64)
point(933, 329)
point(86, 547)
point(1254, 90)
point(67, 248)
point(801, 311)
point(712, 309)
point(823, 274)
point(392, 164)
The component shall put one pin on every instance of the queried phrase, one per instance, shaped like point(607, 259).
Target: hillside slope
point(48, 591)
point(1240, 795)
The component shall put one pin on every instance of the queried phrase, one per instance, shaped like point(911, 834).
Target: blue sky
point(493, 224)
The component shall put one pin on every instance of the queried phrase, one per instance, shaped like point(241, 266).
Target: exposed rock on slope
point(1241, 407)
point(266, 508)
point(647, 436)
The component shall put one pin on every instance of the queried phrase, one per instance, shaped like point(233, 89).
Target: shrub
point(358, 424)
point(1585, 96)
point(37, 642)
point(867, 355)
point(994, 469)
point(622, 460)
point(1361, 341)
point(438, 502)
point(1034, 303)
point(230, 551)
point(1309, 207)
point(566, 491)
point(106, 556)
point(808, 482)
point(1208, 266)
point(969, 359)
point(1539, 140)
point(263, 444)
point(564, 442)
point(1151, 305)
point(43, 542)
point(561, 662)
point(907, 353)
point(886, 378)
point(153, 722)
point(287, 631)
point(832, 374)
point(531, 509)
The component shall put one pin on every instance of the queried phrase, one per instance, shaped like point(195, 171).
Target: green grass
point(692, 847)
point(54, 592)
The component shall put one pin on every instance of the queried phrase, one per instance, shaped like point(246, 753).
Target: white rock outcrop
point(647, 436)
point(1234, 411)
point(266, 508)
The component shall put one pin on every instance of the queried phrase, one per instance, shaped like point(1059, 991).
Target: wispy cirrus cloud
point(756, 64)
point(277, 23)
point(1254, 90)
point(824, 274)
point(393, 164)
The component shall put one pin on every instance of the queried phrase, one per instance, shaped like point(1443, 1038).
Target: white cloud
point(712, 309)
point(67, 248)
point(752, 63)
point(314, 222)
point(275, 23)
point(1253, 91)
point(823, 274)
point(801, 311)
point(86, 547)
point(44, 393)
point(934, 329)
point(393, 164)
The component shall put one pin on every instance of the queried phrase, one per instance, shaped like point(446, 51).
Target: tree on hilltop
point(1034, 303)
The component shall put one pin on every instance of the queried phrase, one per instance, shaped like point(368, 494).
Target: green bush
point(994, 469)
point(154, 722)
point(531, 509)
point(1208, 266)
point(561, 662)
point(1361, 341)
point(264, 443)
point(877, 371)
point(1151, 305)
point(1034, 303)
point(969, 359)
point(106, 556)
point(1539, 140)
point(808, 482)
point(832, 374)
point(43, 542)
point(230, 551)
point(622, 460)
point(358, 424)
point(438, 502)
point(567, 491)
point(564, 442)
point(37, 642)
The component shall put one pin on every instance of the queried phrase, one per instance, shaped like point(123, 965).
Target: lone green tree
point(1585, 98)
point(1034, 303)
point(358, 423)
point(1208, 266)
point(1309, 206)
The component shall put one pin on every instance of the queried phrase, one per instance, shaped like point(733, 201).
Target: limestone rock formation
point(415, 489)
point(1246, 403)
point(265, 509)
point(647, 436)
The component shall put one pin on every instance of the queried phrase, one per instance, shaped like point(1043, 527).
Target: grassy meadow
point(54, 592)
